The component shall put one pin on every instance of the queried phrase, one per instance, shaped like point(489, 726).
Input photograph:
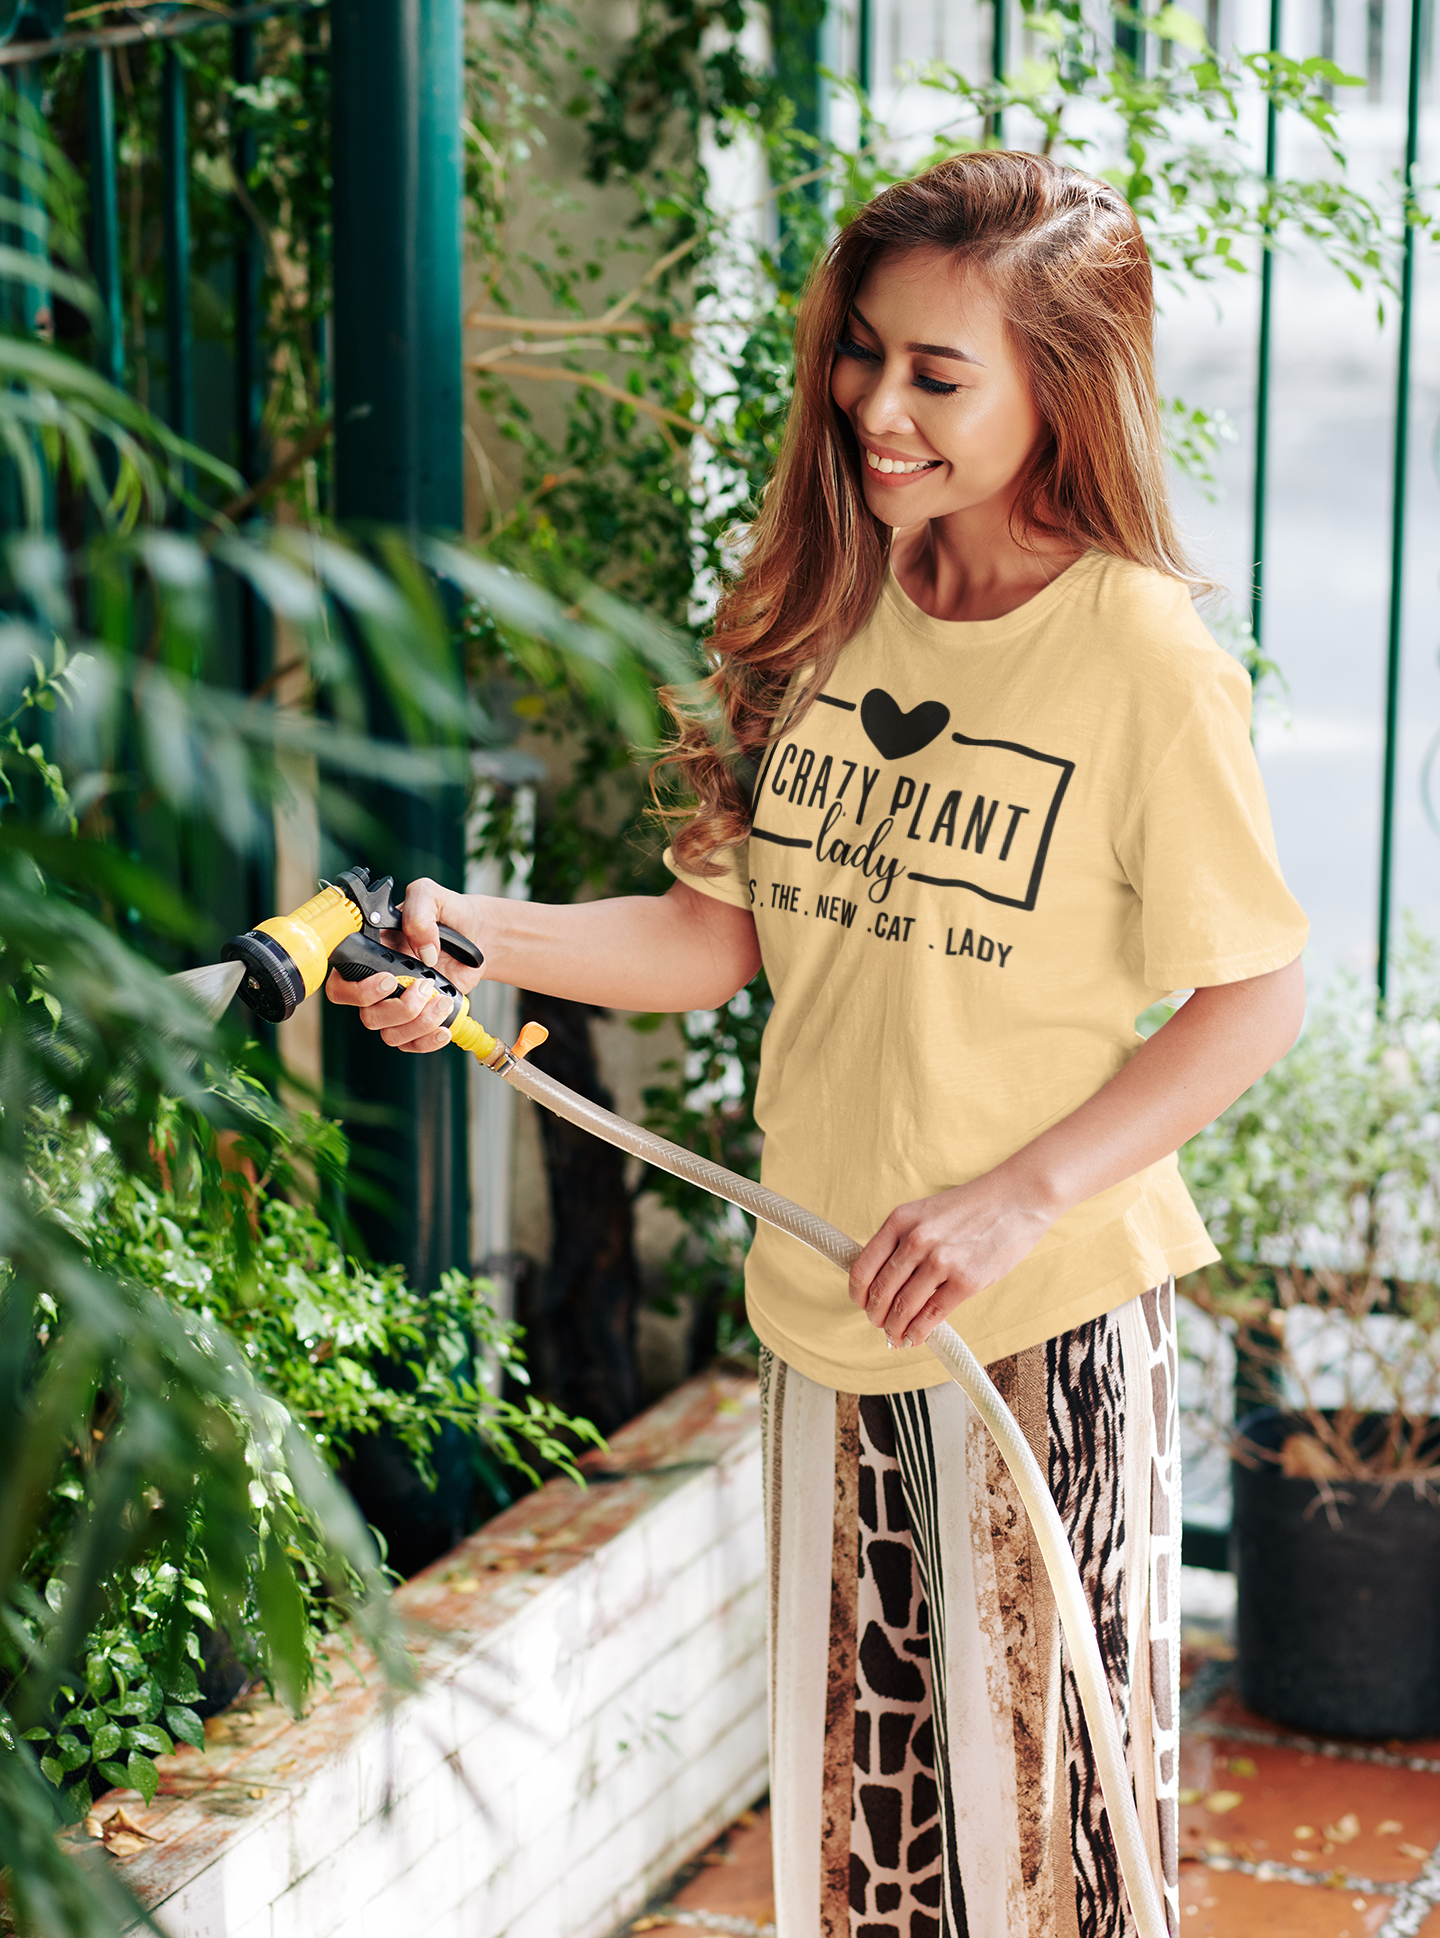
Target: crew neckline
point(952, 630)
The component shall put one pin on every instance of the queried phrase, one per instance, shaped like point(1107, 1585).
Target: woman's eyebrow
point(921, 349)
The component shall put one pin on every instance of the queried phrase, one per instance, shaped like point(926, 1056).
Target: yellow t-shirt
point(987, 847)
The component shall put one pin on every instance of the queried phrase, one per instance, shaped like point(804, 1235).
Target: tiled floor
point(1280, 1836)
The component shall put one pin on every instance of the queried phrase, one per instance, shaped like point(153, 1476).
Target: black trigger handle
point(460, 946)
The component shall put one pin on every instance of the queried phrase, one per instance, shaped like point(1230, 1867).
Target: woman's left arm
point(929, 1256)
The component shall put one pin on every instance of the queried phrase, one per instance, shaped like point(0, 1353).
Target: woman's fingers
point(406, 1021)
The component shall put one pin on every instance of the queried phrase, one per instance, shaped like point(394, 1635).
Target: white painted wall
point(609, 1725)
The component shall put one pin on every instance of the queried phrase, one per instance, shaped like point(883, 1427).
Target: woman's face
point(926, 375)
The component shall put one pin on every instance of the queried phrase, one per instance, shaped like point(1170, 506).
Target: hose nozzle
point(286, 958)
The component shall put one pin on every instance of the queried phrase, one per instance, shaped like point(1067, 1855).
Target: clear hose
point(970, 1376)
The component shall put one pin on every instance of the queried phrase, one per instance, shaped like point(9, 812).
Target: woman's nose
point(885, 406)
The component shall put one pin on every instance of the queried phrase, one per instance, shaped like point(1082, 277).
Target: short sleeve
point(732, 885)
point(1199, 851)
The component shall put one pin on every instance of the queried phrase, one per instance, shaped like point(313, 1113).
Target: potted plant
point(1321, 1188)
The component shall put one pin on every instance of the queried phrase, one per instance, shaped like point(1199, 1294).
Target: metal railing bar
point(1262, 360)
point(104, 207)
point(170, 28)
point(999, 60)
point(1395, 635)
point(175, 153)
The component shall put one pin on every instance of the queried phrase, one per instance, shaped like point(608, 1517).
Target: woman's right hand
point(681, 950)
point(404, 1018)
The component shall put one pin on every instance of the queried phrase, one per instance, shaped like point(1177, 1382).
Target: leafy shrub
point(1321, 1189)
point(343, 1348)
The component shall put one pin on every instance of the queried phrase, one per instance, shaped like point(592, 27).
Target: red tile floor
point(1280, 1836)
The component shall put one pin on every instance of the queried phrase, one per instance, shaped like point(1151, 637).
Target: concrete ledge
point(592, 1713)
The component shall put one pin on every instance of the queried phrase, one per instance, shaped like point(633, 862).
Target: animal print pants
point(931, 1774)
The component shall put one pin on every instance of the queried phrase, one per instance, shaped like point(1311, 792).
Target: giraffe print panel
point(931, 1773)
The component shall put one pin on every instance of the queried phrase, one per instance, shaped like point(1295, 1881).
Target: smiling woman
point(985, 794)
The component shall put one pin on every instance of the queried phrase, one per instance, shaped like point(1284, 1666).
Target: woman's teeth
point(896, 464)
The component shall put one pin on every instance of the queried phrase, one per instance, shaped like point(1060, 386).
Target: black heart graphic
point(897, 734)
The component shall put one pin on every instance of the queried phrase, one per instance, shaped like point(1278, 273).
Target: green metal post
point(104, 206)
point(864, 34)
point(174, 146)
point(1262, 364)
point(248, 397)
point(1397, 509)
point(399, 398)
point(999, 59)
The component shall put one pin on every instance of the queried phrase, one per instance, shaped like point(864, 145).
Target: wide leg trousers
point(931, 1773)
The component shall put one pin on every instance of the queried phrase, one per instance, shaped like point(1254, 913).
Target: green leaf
point(147, 1737)
point(185, 1724)
point(283, 1624)
point(73, 1753)
point(115, 1774)
point(54, 1769)
point(105, 1742)
point(142, 1776)
point(1173, 23)
point(76, 1802)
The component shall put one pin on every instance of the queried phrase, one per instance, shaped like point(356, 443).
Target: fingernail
point(430, 955)
point(889, 1344)
point(444, 1036)
point(387, 985)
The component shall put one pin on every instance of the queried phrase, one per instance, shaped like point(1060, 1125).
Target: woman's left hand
point(929, 1256)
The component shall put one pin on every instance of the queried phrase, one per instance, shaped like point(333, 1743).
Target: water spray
point(287, 958)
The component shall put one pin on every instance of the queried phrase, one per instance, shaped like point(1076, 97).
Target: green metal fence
point(396, 68)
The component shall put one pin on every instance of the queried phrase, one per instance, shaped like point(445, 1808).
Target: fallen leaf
point(1243, 1766)
point(1302, 1831)
point(1219, 1801)
point(1391, 1827)
point(653, 1923)
point(120, 1819)
point(1189, 1796)
point(255, 1792)
point(748, 1817)
point(1357, 1904)
point(93, 1826)
point(1346, 1831)
point(1413, 1850)
point(126, 1844)
point(1217, 1847)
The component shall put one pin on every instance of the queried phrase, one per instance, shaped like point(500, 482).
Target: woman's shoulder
point(1146, 627)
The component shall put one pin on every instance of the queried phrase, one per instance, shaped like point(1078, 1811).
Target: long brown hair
point(1068, 265)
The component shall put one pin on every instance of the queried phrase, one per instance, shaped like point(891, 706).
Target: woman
point(988, 795)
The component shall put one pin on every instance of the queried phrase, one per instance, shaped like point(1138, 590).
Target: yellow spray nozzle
point(285, 958)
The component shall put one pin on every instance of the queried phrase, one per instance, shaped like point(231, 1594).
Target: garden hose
point(970, 1376)
point(286, 959)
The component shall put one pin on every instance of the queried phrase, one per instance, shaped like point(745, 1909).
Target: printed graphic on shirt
point(974, 814)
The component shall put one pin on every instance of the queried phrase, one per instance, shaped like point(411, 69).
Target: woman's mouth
point(899, 468)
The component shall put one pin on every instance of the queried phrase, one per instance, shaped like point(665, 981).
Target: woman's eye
point(935, 388)
point(848, 347)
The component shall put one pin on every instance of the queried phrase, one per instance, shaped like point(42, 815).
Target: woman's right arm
point(682, 950)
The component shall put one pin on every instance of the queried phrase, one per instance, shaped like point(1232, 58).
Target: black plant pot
point(1338, 1627)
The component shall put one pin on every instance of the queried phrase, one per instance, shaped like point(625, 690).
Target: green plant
point(148, 1481)
point(344, 1348)
point(1321, 1189)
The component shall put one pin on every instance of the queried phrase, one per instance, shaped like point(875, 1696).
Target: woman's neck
point(969, 565)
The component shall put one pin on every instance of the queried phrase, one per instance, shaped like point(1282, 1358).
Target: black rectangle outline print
point(1011, 901)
